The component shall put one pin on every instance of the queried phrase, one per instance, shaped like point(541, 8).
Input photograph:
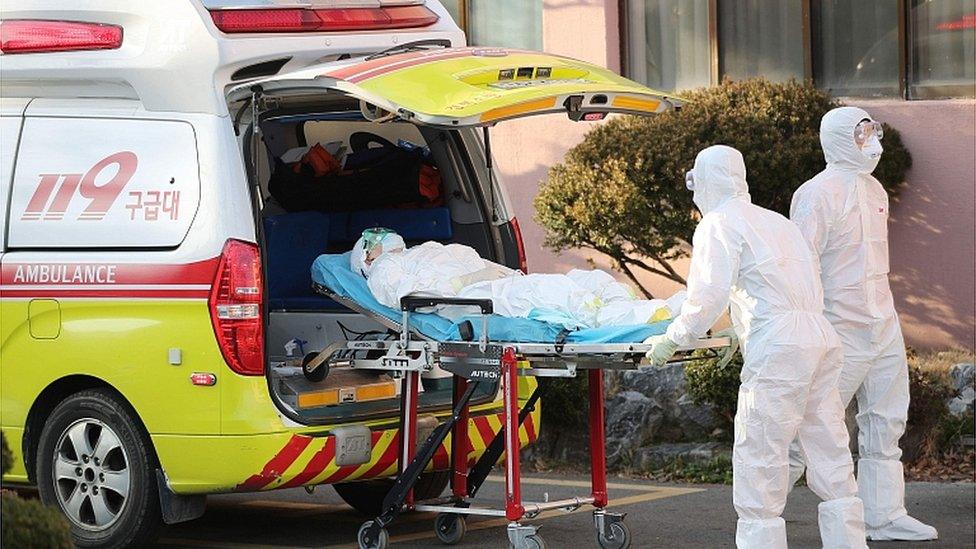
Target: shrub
point(29, 524)
point(565, 402)
point(6, 456)
point(621, 190)
point(930, 431)
point(710, 383)
point(928, 414)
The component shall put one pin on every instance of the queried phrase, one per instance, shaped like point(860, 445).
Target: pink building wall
point(933, 220)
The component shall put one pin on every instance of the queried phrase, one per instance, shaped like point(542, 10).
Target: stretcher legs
point(460, 443)
point(513, 477)
point(598, 450)
point(465, 483)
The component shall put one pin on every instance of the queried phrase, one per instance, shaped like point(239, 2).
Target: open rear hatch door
point(457, 87)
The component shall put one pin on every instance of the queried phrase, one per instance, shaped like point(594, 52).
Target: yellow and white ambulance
point(155, 299)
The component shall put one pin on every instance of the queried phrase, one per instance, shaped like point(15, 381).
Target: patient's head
point(373, 243)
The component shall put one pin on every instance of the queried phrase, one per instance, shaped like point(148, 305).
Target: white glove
point(662, 349)
point(733, 345)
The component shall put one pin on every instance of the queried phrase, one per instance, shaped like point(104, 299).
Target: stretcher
point(475, 358)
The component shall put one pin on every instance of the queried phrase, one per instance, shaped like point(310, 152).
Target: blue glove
point(662, 349)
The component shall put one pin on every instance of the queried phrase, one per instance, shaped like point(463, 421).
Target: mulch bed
point(955, 466)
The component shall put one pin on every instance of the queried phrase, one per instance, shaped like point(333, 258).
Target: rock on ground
point(963, 376)
point(658, 456)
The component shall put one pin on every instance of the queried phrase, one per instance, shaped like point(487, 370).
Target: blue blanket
point(334, 272)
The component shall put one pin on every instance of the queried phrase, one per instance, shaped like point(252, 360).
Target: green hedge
point(621, 191)
point(28, 523)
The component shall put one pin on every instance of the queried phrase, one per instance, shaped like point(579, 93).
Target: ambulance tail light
point(520, 246)
point(41, 36)
point(397, 16)
point(236, 306)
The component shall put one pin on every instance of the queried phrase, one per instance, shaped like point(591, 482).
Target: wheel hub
point(91, 474)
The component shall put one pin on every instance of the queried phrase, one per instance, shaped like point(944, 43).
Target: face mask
point(871, 151)
point(872, 148)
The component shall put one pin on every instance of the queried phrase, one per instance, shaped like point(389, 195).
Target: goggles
point(374, 237)
point(865, 129)
point(690, 180)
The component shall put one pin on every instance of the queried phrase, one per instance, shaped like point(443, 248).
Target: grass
point(939, 362)
point(715, 471)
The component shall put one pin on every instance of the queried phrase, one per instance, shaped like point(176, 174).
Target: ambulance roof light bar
point(42, 36)
point(351, 16)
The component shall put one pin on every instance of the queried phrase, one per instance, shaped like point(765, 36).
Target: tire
point(382, 540)
point(621, 537)
point(449, 528)
point(367, 496)
point(534, 541)
point(120, 512)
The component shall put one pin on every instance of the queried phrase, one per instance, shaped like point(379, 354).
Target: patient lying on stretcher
point(578, 299)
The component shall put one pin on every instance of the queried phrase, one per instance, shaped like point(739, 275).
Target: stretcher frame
point(470, 363)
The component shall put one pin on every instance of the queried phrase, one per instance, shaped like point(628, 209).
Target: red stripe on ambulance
point(324, 458)
point(386, 460)
point(345, 73)
point(107, 280)
point(404, 64)
point(316, 465)
point(277, 465)
point(529, 427)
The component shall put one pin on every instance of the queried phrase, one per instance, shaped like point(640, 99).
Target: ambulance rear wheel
point(367, 541)
point(367, 496)
point(97, 467)
point(450, 528)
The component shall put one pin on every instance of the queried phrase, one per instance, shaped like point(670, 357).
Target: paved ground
point(659, 515)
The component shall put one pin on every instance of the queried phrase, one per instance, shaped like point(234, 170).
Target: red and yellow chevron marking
point(306, 460)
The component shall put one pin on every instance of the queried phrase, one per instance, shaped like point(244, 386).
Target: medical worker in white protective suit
point(757, 260)
point(843, 214)
point(579, 299)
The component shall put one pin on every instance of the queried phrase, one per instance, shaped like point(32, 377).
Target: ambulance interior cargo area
point(326, 174)
point(396, 140)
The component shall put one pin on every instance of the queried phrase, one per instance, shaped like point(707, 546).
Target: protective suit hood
point(837, 140)
point(719, 176)
point(375, 241)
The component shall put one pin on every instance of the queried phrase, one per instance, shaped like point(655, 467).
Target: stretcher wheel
point(450, 528)
point(620, 537)
point(317, 374)
point(534, 541)
point(381, 541)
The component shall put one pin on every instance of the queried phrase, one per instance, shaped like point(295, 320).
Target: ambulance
point(156, 307)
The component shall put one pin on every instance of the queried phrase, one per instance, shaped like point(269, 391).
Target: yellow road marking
point(585, 484)
point(222, 544)
point(294, 505)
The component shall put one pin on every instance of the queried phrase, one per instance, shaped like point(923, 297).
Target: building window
point(503, 23)
point(669, 45)
point(943, 48)
point(864, 48)
point(760, 37)
point(857, 47)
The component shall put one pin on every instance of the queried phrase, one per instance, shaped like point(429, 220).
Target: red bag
point(430, 185)
point(319, 159)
